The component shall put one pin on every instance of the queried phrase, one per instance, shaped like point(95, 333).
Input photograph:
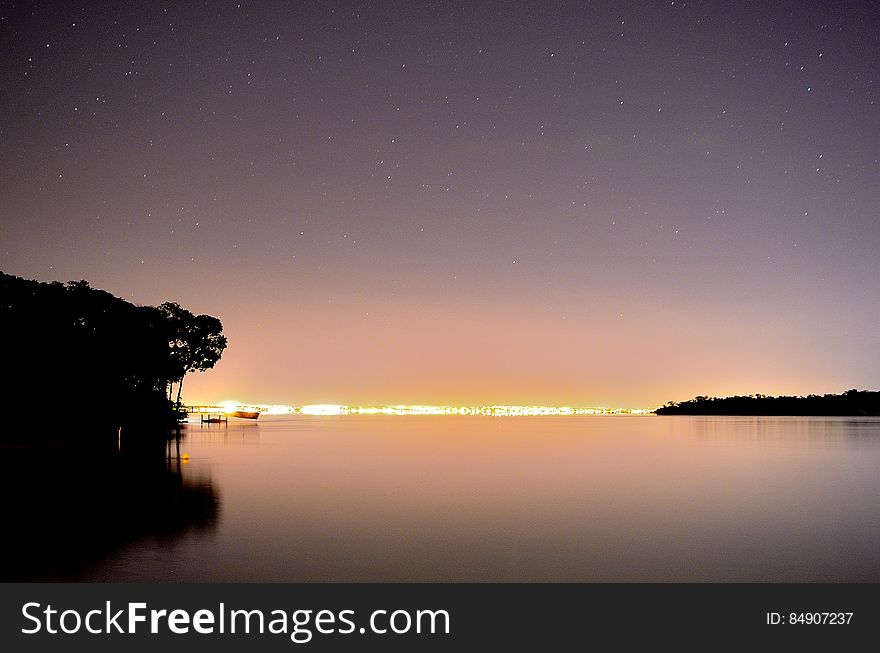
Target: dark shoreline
point(852, 403)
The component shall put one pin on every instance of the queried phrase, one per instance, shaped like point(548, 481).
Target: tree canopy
point(851, 402)
point(73, 350)
point(195, 342)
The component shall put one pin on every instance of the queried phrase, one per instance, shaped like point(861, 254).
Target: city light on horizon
point(228, 407)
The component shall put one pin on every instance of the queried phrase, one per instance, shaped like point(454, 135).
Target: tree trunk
point(179, 388)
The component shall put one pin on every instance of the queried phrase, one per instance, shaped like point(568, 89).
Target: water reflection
point(69, 508)
point(372, 498)
point(810, 432)
point(237, 431)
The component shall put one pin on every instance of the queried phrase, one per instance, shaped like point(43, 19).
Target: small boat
point(245, 414)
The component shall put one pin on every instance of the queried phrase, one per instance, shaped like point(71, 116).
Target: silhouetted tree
point(196, 342)
point(72, 349)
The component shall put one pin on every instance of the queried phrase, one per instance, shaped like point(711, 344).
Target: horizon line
point(498, 410)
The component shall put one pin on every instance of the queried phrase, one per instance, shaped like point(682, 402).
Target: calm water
point(652, 498)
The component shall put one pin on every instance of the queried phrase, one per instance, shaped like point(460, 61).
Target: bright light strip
point(324, 409)
point(491, 411)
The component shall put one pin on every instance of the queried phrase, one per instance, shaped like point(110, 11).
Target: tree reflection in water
point(66, 506)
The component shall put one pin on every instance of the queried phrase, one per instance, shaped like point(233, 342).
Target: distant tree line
point(849, 403)
point(75, 357)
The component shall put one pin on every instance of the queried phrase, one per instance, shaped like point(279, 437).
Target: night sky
point(559, 203)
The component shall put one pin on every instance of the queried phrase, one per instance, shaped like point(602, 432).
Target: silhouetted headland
point(91, 385)
point(849, 403)
point(81, 358)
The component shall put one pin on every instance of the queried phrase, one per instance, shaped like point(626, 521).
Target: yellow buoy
point(186, 456)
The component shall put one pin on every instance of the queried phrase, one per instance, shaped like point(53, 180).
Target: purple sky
point(614, 203)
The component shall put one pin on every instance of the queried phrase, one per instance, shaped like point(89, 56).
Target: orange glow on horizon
point(229, 407)
point(495, 353)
